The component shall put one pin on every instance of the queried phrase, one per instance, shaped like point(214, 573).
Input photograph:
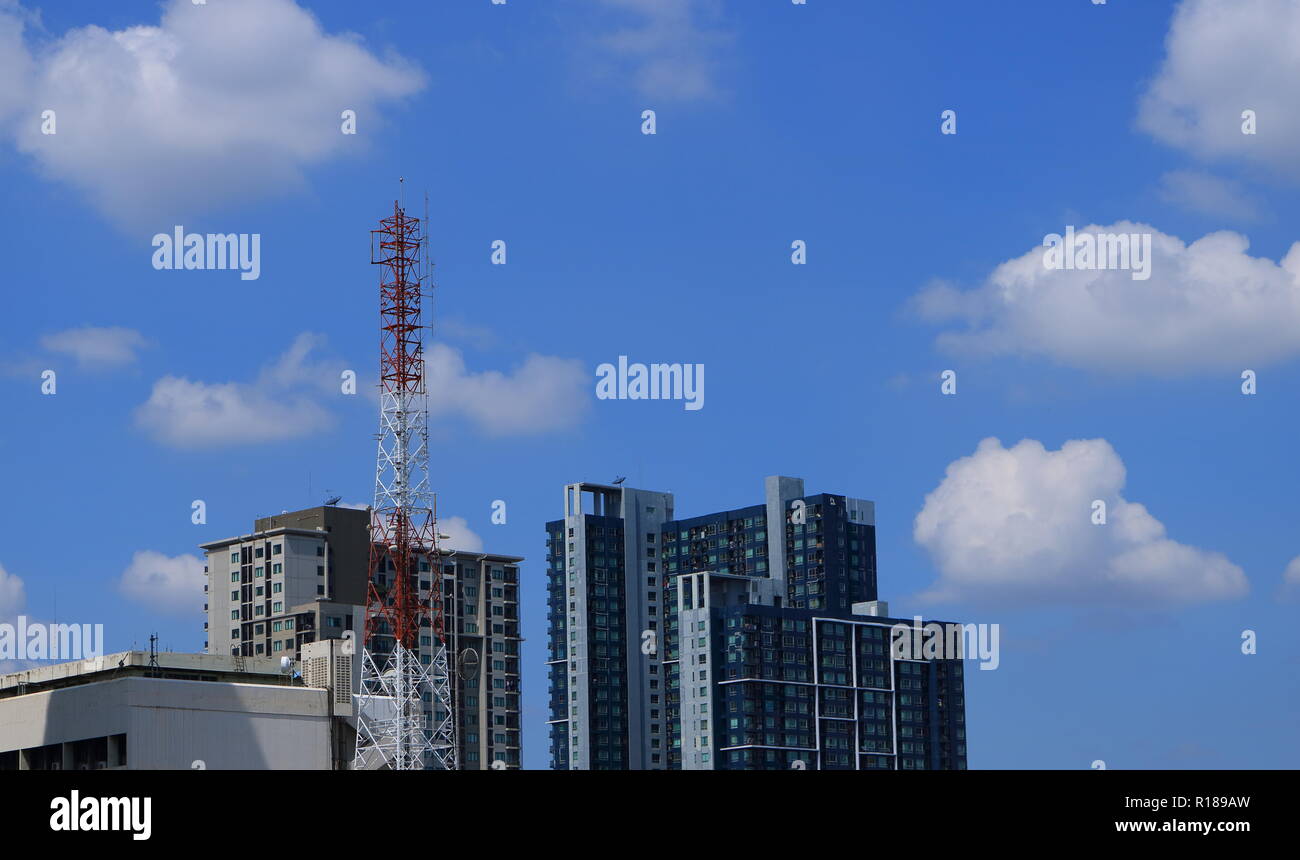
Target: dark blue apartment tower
point(749, 639)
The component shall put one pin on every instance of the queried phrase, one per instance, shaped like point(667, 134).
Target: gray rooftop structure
point(126, 711)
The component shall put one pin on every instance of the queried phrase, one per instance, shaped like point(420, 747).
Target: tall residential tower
point(301, 577)
point(742, 639)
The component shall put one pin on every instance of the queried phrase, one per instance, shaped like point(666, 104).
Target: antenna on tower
point(154, 669)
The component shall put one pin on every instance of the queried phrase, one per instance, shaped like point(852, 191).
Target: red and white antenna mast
point(394, 731)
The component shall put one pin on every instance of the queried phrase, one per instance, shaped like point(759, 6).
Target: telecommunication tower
point(393, 730)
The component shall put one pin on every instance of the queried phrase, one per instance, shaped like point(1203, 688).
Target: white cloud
point(280, 404)
point(1208, 306)
point(1224, 57)
point(15, 62)
point(460, 535)
point(215, 103)
point(667, 50)
point(1291, 576)
point(1207, 194)
point(13, 595)
point(169, 584)
point(544, 393)
point(1015, 525)
point(97, 347)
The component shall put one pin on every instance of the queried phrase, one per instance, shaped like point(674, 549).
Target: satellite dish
point(333, 500)
point(467, 663)
point(286, 664)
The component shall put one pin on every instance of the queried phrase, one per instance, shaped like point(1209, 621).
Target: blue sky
point(775, 123)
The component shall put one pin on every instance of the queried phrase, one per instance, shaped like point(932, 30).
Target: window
point(234, 577)
point(234, 595)
point(277, 607)
point(278, 568)
point(234, 557)
point(277, 587)
point(276, 548)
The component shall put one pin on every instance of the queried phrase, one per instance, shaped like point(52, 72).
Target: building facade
point(302, 577)
point(297, 577)
point(743, 639)
point(139, 711)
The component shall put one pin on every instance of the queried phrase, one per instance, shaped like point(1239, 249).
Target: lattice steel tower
point(393, 730)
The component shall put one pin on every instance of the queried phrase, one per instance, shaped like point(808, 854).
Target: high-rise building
point(606, 683)
point(301, 577)
point(298, 577)
point(742, 639)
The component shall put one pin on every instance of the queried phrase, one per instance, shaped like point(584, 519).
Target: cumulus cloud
point(1208, 306)
point(13, 594)
point(667, 47)
point(1207, 194)
point(460, 535)
point(97, 347)
point(15, 62)
point(544, 393)
point(1224, 57)
point(216, 102)
point(1015, 525)
point(286, 400)
point(1291, 577)
point(168, 584)
point(282, 403)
